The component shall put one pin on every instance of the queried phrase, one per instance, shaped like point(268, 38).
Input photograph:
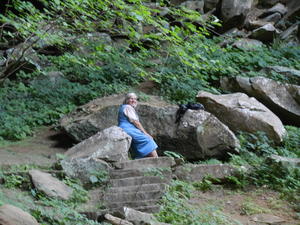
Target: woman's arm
point(139, 126)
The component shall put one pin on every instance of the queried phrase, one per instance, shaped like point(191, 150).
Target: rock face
point(50, 185)
point(279, 98)
point(242, 113)
point(11, 215)
point(198, 135)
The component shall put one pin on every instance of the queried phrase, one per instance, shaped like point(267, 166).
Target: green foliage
point(255, 152)
point(13, 181)
point(99, 177)
point(174, 155)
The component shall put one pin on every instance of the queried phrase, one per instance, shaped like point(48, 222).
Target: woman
point(142, 143)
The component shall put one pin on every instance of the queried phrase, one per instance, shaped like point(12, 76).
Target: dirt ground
point(41, 149)
point(246, 207)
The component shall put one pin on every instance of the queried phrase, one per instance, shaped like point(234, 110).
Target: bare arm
point(139, 126)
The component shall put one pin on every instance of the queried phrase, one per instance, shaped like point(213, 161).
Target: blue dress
point(142, 145)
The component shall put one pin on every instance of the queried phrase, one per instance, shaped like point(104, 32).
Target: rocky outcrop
point(50, 185)
point(242, 113)
point(11, 215)
point(198, 135)
point(280, 98)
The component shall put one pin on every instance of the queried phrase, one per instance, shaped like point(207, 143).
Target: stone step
point(132, 204)
point(133, 196)
point(133, 181)
point(147, 209)
point(144, 163)
point(126, 173)
point(142, 187)
point(123, 173)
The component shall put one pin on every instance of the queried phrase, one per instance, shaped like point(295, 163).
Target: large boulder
point(111, 145)
point(266, 33)
point(234, 12)
point(242, 113)
point(90, 158)
point(279, 98)
point(198, 135)
point(11, 215)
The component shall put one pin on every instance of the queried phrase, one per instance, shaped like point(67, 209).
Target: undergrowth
point(177, 210)
point(257, 153)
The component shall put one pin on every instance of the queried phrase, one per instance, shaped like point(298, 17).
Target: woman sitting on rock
point(142, 143)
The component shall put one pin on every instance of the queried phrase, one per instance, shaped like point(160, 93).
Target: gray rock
point(50, 185)
point(267, 219)
point(210, 4)
point(265, 33)
point(255, 24)
point(133, 181)
point(280, 98)
point(278, 8)
point(247, 44)
point(138, 217)
point(11, 215)
point(242, 113)
point(146, 163)
point(290, 32)
point(194, 5)
point(111, 145)
point(194, 172)
point(273, 18)
point(85, 169)
point(233, 8)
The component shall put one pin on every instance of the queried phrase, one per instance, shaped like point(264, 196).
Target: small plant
point(13, 181)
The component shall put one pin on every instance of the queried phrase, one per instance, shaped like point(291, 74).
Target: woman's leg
point(153, 154)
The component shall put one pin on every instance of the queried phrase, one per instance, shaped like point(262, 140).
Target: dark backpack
point(184, 107)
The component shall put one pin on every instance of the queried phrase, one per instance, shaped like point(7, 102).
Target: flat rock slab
point(125, 173)
point(146, 163)
point(133, 204)
point(11, 215)
point(133, 181)
point(267, 219)
point(133, 196)
point(136, 188)
point(50, 185)
point(193, 172)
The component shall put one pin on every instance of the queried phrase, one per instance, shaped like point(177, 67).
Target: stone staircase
point(138, 184)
